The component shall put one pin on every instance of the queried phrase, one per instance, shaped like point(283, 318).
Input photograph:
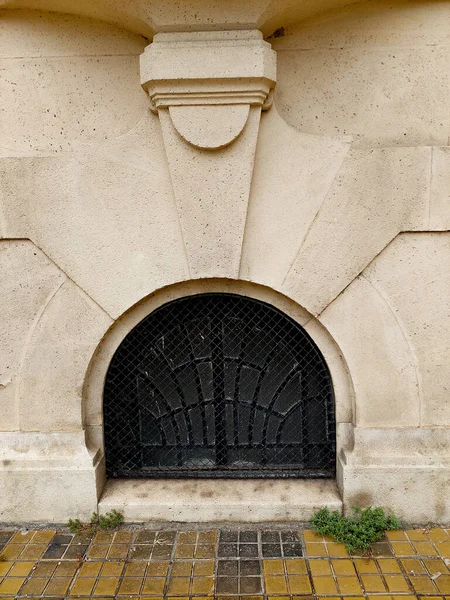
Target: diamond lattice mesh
point(218, 385)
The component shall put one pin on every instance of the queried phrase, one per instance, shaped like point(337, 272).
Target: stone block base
point(47, 477)
point(404, 470)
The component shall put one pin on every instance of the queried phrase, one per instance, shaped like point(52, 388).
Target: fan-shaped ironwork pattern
point(219, 385)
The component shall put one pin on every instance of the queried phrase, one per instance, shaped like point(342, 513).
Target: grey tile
point(293, 550)
point(227, 567)
point(227, 550)
point(250, 585)
point(228, 536)
point(227, 585)
point(271, 550)
point(248, 537)
point(248, 550)
point(250, 567)
point(268, 537)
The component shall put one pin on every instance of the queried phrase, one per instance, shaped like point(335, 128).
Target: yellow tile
point(396, 583)
point(438, 535)
point(203, 586)
point(112, 569)
point(178, 586)
point(122, 537)
point(135, 569)
point(324, 585)
point(203, 567)
point(43, 536)
point(45, 569)
point(312, 536)
point(273, 567)
point(424, 548)
point(118, 551)
point(130, 585)
point(205, 551)
point(349, 585)
point(275, 585)
point(343, 567)
point(417, 534)
point(396, 535)
point(443, 549)
point(90, 569)
point(5, 567)
point(66, 569)
point(21, 569)
point(34, 586)
point(158, 568)
point(423, 585)
point(207, 537)
point(389, 565)
point(413, 566)
point(435, 565)
point(182, 568)
point(299, 584)
point(296, 566)
point(314, 549)
point(106, 586)
point(184, 551)
point(83, 586)
point(402, 597)
point(187, 537)
point(58, 586)
point(11, 585)
point(402, 549)
point(443, 583)
point(155, 598)
point(373, 583)
point(34, 551)
point(381, 597)
point(365, 565)
point(12, 551)
point(320, 567)
point(154, 586)
point(329, 597)
point(22, 538)
point(338, 550)
point(98, 551)
point(173, 598)
point(103, 537)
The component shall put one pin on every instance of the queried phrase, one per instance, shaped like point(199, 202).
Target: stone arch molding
point(96, 373)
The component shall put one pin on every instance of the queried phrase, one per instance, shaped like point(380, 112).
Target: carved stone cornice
point(208, 81)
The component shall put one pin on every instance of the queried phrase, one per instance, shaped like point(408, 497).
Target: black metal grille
point(218, 385)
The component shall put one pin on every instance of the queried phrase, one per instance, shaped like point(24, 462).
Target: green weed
point(359, 531)
point(110, 520)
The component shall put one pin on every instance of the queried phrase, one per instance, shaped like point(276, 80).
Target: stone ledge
point(194, 500)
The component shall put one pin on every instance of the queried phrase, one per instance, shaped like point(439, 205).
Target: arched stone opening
point(219, 385)
point(215, 498)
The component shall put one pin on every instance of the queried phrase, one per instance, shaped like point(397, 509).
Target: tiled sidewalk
point(255, 564)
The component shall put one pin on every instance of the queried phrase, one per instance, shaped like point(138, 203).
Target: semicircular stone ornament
point(210, 126)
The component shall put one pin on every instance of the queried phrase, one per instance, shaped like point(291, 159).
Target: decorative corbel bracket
point(208, 89)
point(208, 81)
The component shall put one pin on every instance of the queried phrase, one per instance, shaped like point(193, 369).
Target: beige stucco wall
point(335, 202)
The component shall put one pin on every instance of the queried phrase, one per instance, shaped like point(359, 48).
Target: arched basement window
point(218, 385)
